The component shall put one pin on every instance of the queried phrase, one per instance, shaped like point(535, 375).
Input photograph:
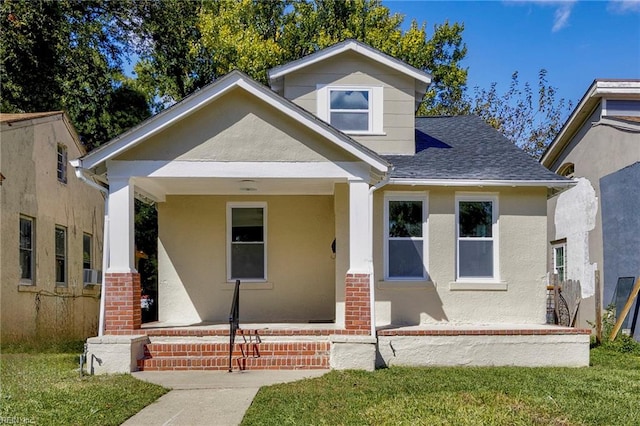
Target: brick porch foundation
point(357, 315)
point(122, 303)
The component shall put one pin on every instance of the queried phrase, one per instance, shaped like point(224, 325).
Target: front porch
point(161, 346)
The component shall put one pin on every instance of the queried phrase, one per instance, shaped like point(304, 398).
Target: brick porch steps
point(279, 355)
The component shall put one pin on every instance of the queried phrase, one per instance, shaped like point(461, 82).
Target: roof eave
point(482, 182)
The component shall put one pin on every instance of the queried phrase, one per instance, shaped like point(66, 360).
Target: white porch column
point(121, 225)
point(359, 238)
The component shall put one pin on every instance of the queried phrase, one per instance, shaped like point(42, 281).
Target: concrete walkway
point(208, 397)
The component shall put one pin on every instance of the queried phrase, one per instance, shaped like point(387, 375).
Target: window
point(477, 248)
point(27, 255)
point(62, 163)
point(246, 250)
point(405, 220)
point(61, 255)
point(353, 109)
point(86, 251)
point(567, 170)
point(560, 259)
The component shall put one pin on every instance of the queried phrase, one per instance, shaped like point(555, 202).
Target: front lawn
point(607, 393)
point(46, 389)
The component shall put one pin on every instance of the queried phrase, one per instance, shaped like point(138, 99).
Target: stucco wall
point(350, 68)
point(595, 151)
point(620, 195)
point(192, 254)
point(522, 242)
point(31, 188)
point(220, 132)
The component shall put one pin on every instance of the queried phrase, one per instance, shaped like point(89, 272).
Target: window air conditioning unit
point(91, 276)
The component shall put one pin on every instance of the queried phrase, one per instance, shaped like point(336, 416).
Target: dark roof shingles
point(466, 148)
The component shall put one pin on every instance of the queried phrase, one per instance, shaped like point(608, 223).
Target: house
point(595, 225)
point(361, 235)
point(51, 248)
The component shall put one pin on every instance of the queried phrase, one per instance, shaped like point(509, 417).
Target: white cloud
point(562, 13)
point(624, 6)
point(561, 16)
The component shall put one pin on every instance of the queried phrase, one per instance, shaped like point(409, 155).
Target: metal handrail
point(234, 321)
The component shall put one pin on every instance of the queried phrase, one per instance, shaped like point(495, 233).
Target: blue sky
point(575, 41)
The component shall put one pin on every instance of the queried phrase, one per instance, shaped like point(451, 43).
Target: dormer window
point(353, 109)
point(349, 110)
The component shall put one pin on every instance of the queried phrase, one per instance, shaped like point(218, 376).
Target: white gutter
point(372, 295)
point(473, 182)
point(80, 174)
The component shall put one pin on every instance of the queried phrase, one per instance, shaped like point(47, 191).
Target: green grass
point(46, 389)
point(607, 393)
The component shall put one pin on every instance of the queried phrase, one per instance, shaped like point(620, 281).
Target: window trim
point(246, 204)
point(376, 116)
point(422, 196)
point(495, 238)
point(61, 163)
point(65, 258)
point(555, 245)
point(32, 266)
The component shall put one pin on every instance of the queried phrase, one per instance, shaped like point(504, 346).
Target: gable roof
point(22, 116)
point(208, 94)
point(466, 150)
point(19, 119)
point(600, 88)
point(421, 78)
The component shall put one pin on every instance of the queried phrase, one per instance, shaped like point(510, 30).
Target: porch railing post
point(234, 321)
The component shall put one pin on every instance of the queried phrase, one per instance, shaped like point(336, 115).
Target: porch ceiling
point(159, 188)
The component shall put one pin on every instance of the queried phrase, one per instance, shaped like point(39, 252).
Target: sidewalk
point(208, 397)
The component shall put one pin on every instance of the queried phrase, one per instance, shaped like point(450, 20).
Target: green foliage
point(215, 37)
point(607, 393)
point(43, 345)
point(529, 121)
point(66, 55)
point(623, 343)
point(47, 389)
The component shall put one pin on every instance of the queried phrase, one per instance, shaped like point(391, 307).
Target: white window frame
point(376, 115)
point(493, 198)
point(246, 204)
point(61, 163)
point(423, 197)
point(561, 244)
point(32, 237)
point(65, 257)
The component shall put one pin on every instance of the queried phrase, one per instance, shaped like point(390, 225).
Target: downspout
point(372, 296)
point(105, 238)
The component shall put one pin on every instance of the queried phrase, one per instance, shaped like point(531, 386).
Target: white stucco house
point(361, 234)
point(595, 226)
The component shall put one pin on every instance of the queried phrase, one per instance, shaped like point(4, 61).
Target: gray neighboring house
point(596, 224)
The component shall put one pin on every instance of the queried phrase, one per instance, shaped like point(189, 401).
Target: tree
point(66, 55)
point(529, 121)
point(215, 37)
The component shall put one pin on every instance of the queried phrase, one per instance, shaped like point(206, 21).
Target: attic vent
point(567, 170)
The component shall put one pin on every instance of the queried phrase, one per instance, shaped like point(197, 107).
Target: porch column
point(357, 282)
point(122, 281)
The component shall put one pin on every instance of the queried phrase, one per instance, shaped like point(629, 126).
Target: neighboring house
point(361, 234)
point(596, 224)
point(51, 226)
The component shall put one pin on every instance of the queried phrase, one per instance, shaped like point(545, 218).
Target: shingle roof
point(465, 148)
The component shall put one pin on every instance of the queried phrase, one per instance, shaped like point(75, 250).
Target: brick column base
point(122, 304)
point(357, 306)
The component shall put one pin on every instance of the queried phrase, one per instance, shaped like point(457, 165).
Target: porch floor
point(325, 329)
